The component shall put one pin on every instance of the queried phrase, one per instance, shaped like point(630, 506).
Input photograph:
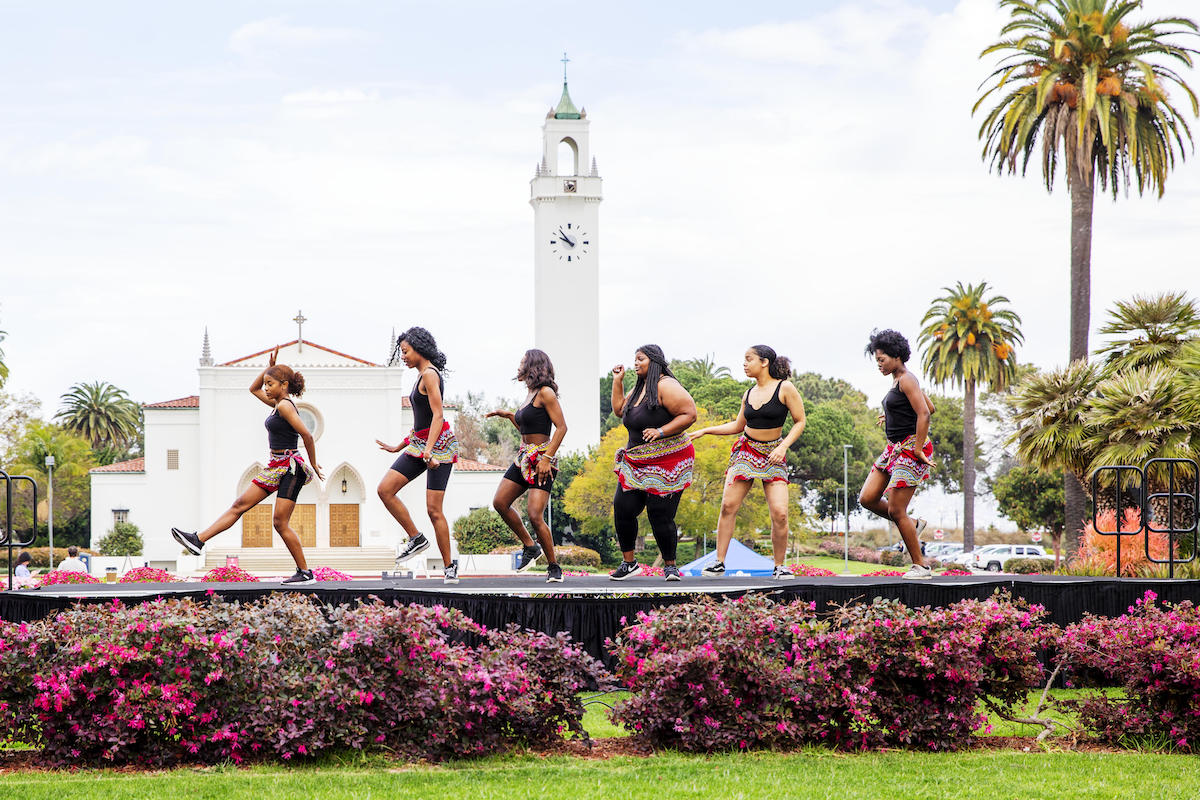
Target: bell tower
point(565, 194)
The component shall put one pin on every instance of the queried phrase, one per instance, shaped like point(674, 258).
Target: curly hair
point(658, 368)
point(285, 374)
point(537, 371)
point(778, 367)
point(423, 342)
point(891, 342)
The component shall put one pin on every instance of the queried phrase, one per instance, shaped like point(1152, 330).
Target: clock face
point(569, 243)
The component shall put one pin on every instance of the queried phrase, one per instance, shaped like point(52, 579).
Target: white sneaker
point(921, 525)
point(917, 573)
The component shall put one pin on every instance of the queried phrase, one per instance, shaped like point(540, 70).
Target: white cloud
point(275, 33)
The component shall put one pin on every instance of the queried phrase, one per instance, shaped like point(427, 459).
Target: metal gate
point(1183, 491)
point(8, 537)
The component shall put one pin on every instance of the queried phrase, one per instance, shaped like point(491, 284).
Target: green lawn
point(839, 566)
point(1040, 772)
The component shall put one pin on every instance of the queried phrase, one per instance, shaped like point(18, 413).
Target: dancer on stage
point(430, 447)
point(906, 460)
point(536, 462)
point(286, 472)
point(655, 466)
point(760, 452)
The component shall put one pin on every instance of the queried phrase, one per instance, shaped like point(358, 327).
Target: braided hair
point(778, 367)
point(423, 342)
point(658, 368)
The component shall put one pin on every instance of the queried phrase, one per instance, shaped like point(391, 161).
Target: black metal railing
point(8, 536)
point(1182, 502)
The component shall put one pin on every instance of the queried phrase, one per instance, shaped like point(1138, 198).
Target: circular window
point(311, 419)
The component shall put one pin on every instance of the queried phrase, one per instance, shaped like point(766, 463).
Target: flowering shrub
point(836, 548)
point(1152, 652)
point(59, 578)
point(746, 673)
point(228, 574)
point(884, 573)
point(1097, 554)
point(330, 574)
point(149, 575)
point(651, 572)
point(177, 680)
point(807, 571)
point(958, 571)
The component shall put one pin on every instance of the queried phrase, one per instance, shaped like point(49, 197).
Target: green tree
point(561, 522)
point(481, 532)
point(1148, 331)
point(101, 413)
point(17, 411)
point(969, 338)
point(1080, 77)
point(946, 430)
point(1033, 499)
point(72, 485)
point(123, 540)
point(707, 367)
point(817, 455)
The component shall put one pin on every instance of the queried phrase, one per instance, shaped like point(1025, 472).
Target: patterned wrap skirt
point(268, 477)
point(527, 458)
point(899, 461)
point(445, 449)
point(748, 461)
point(661, 467)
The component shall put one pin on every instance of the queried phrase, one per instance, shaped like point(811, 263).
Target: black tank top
point(531, 419)
point(280, 433)
point(771, 414)
point(899, 418)
point(638, 418)
point(422, 412)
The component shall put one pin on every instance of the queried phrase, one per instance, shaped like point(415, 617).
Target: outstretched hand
point(274, 355)
point(388, 447)
point(500, 412)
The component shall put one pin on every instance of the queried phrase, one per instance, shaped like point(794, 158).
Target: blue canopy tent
point(739, 559)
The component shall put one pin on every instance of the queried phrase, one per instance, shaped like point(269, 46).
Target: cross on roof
point(565, 60)
point(299, 319)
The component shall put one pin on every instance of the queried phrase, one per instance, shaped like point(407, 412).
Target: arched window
point(568, 157)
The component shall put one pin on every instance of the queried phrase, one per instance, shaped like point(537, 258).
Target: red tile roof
point(467, 465)
point(362, 361)
point(133, 465)
point(191, 401)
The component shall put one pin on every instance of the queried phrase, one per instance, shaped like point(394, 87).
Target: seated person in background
point(72, 562)
point(23, 562)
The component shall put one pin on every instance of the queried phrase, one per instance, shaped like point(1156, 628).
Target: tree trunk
point(1082, 203)
point(968, 486)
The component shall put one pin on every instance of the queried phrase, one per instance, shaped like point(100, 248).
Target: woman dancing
point(286, 472)
point(906, 460)
point(423, 450)
point(655, 466)
point(536, 462)
point(760, 452)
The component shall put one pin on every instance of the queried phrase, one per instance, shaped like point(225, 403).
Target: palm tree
point(3, 366)
point(101, 413)
point(1149, 330)
point(969, 339)
point(1076, 75)
point(707, 367)
point(1054, 432)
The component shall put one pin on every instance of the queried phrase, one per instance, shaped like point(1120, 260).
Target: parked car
point(942, 551)
point(967, 559)
point(992, 557)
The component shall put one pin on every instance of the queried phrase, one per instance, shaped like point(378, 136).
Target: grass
point(839, 565)
point(1042, 771)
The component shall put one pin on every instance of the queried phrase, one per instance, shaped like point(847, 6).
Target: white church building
point(201, 452)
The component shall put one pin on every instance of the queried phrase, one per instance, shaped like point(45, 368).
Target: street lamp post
point(50, 505)
point(846, 499)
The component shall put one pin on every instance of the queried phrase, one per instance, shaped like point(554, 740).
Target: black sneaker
point(190, 541)
point(553, 573)
point(671, 573)
point(528, 556)
point(626, 569)
point(417, 544)
point(303, 577)
point(450, 573)
point(714, 570)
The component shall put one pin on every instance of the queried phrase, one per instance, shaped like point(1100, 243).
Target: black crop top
point(422, 412)
point(638, 418)
point(771, 414)
point(280, 433)
point(531, 419)
point(899, 418)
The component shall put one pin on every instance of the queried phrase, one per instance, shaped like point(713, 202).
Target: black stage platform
point(590, 609)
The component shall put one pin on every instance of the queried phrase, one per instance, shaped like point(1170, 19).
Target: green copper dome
point(566, 109)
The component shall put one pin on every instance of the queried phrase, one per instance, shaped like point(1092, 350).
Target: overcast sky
point(794, 173)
